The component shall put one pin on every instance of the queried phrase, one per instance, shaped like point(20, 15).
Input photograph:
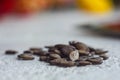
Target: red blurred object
point(113, 26)
point(7, 6)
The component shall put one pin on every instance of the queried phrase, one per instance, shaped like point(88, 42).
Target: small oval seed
point(104, 56)
point(39, 53)
point(83, 63)
point(35, 49)
point(83, 53)
point(66, 50)
point(97, 60)
point(25, 57)
point(79, 45)
point(10, 52)
point(100, 51)
point(54, 56)
point(56, 61)
point(53, 49)
point(66, 64)
point(74, 55)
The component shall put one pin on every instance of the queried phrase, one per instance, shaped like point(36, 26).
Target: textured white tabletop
point(50, 29)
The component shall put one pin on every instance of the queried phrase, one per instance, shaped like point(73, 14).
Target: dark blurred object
point(102, 29)
point(63, 4)
point(116, 3)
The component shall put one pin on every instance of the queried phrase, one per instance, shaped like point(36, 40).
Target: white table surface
point(49, 29)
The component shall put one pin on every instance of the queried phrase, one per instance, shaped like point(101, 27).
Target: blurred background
point(32, 6)
point(30, 22)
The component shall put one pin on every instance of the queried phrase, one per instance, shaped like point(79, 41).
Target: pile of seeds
point(62, 55)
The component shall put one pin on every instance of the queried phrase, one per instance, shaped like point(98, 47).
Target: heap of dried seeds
point(73, 54)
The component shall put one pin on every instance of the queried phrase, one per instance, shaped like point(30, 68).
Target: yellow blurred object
point(95, 6)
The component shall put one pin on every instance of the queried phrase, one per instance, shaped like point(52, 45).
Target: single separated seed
point(10, 52)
